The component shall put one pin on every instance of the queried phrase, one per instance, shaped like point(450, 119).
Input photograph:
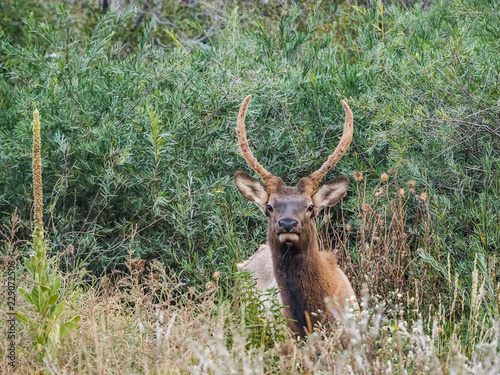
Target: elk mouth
point(288, 237)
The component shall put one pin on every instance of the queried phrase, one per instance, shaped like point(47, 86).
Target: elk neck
point(299, 272)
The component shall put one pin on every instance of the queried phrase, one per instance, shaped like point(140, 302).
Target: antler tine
point(243, 143)
point(342, 147)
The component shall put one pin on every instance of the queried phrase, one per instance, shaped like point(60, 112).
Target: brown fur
point(306, 276)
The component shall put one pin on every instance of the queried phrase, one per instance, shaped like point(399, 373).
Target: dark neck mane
point(298, 270)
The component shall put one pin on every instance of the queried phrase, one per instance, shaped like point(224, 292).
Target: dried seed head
point(411, 184)
point(424, 196)
point(216, 275)
point(392, 171)
point(402, 192)
point(365, 207)
point(136, 265)
point(357, 176)
point(37, 171)
point(376, 239)
point(70, 249)
point(348, 227)
point(384, 176)
point(210, 286)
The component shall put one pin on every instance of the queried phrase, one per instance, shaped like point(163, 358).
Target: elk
point(291, 258)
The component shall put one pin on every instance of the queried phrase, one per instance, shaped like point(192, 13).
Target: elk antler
point(269, 179)
point(312, 181)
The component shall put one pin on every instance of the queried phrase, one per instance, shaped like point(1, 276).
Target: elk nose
point(288, 224)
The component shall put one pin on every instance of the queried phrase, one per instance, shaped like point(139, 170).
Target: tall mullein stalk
point(37, 187)
point(43, 297)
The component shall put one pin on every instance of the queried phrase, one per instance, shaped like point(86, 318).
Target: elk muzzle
point(288, 230)
point(288, 224)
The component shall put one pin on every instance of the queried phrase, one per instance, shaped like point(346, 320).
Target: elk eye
point(269, 208)
point(310, 208)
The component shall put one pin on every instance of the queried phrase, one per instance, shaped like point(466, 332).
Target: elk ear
point(251, 189)
point(331, 193)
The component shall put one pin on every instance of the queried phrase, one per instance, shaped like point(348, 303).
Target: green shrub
point(256, 314)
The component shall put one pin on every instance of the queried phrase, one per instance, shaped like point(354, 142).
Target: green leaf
point(40, 267)
point(28, 265)
point(42, 305)
point(26, 295)
point(44, 288)
point(71, 324)
point(49, 304)
point(23, 318)
point(41, 338)
point(56, 284)
point(35, 296)
point(59, 309)
point(53, 299)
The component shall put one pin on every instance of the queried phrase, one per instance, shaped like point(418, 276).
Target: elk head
point(291, 210)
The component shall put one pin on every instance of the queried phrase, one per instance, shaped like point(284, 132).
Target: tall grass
point(155, 327)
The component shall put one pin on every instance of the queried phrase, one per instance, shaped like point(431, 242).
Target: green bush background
point(138, 113)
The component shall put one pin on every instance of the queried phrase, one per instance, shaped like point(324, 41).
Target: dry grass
point(380, 246)
point(150, 327)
